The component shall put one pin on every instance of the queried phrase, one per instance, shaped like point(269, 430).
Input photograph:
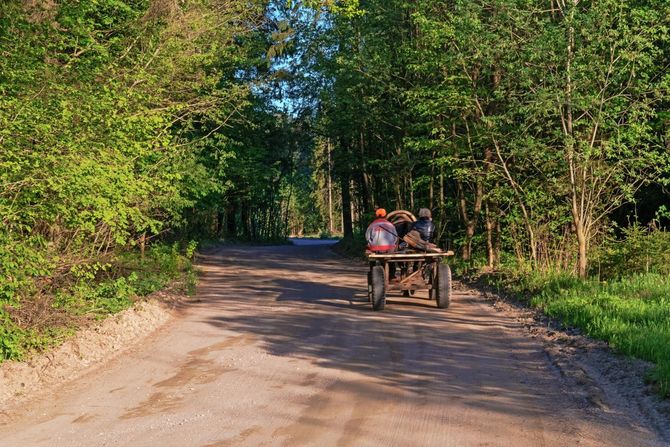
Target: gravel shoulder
point(35, 378)
point(598, 376)
point(281, 349)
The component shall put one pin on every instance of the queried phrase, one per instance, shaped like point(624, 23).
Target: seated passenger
point(381, 235)
point(425, 226)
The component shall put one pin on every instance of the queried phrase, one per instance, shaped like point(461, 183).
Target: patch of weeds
point(92, 291)
point(631, 314)
point(10, 338)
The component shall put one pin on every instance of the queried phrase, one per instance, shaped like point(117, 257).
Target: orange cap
point(380, 212)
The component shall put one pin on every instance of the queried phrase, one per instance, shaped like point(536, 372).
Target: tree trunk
point(497, 244)
point(220, 218)
point(431, 185)
point(490, 249)
point(399, 201)
point(347, 223)
point(331, 227)
point(583, 253)
point(411, 190)
point(143, 244)
point(576, 183)
point(247, 230)
point(470, 221)
point(231, 222)
point(367, 193)
point(441, 187)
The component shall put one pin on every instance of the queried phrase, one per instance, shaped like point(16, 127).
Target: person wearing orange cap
point(381, 235)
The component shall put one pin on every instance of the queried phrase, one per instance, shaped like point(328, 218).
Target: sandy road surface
point(283, 350)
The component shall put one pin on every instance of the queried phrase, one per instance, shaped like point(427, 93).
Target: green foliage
point(111, 296)
point(111, 118)
point(99, 290)
point(10, 338)
point(20, 261)
point(631, 314)
point(538, 122)
point(641, 250)
point(123, 123)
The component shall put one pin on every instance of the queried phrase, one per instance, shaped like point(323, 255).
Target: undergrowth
point(632, 314)
point(626, 302)
point(90, 292)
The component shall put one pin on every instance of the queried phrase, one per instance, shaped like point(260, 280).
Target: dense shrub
point(93, 291)
point(632, 314)
point(641, 250)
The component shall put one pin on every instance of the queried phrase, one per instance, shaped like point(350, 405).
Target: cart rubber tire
point(443, 291)
point(370, 286)
point(378, 287)
point(433, 282)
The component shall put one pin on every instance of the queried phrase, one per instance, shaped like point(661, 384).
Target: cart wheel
point(370, 286)
point(431, 280)
point(378, 287)
point(443, 291)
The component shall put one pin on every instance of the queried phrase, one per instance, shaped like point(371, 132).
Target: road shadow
point(460, 353)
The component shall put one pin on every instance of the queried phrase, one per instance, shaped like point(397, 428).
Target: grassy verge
point(48, 315)
point(632, 314)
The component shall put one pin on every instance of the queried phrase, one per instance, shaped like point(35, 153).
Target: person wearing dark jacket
point(425, 226)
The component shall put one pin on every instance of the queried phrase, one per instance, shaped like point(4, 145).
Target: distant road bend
point(282, 349)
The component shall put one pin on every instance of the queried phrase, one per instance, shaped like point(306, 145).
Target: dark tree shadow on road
point(450, 354)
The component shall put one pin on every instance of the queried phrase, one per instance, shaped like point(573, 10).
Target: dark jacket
point(425, 227)
point(402, 228)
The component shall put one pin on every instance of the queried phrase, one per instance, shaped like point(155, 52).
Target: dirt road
point(283, 350)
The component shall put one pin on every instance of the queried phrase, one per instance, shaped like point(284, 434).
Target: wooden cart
point(408, 272)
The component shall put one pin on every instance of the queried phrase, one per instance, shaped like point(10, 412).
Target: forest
point(537, 132)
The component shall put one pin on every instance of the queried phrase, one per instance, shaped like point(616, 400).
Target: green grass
point(92, 292)
point(632, 314)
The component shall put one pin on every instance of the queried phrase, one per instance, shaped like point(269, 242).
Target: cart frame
point(413, 271)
